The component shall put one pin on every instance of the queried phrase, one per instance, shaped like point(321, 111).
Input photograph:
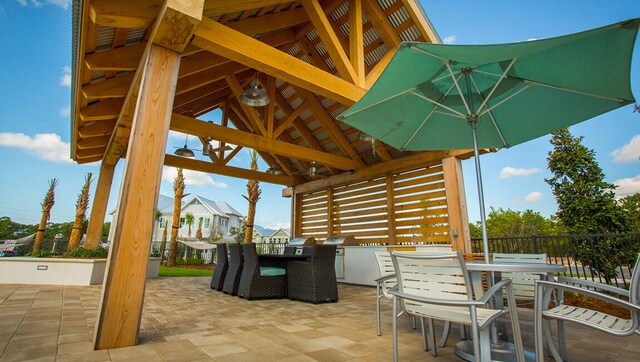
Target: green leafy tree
point(189, 219)
point(586, 203)
point(10, 229)
point(631, 205)
point(105, 230)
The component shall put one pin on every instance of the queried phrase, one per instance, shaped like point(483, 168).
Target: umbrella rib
point(502, 77)
point(434, 110)
point(531, 82)
point(504, 100)
point(461, 115)
point(379, 102)
point(455, 81)
point(495, 125)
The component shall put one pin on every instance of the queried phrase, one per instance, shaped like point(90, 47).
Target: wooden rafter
point(230, 43)
point(356, 41)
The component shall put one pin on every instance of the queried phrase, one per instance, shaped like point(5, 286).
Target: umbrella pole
point(485, 240)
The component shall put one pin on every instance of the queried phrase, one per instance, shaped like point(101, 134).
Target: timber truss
point(314, 58)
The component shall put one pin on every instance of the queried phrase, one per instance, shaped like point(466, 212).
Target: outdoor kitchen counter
point(358, 265)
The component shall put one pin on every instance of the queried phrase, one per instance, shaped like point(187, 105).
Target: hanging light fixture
point(184, 151)
point(255, 96)
point(274, 170)
point(367, 138)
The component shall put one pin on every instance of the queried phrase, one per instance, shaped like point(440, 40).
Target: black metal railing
point(606, 258)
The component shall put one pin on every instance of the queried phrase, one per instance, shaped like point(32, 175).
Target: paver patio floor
point(184, 320)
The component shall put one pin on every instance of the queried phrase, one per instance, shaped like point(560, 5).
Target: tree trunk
point(178, 189)
point(163, 244)
point(251, 214)
point(37, 245)
point(81, 209)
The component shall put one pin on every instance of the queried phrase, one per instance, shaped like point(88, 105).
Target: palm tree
point(188, 219)
point(253, 195)
point(199, 231)
point(178, 192)
point(164, 241)
point(81, 209)
point(47, 204)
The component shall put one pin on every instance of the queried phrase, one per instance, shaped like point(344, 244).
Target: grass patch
point(184, 272)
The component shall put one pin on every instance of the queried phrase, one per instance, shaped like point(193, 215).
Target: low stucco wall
point(60, 271)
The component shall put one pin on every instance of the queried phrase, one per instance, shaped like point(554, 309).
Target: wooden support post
point(297, 216)
point(330, 211)
point(391, 210)
point(119, 313)
point(99, 208)
point(456, 205)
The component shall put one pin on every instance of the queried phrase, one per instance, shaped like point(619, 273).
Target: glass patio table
point(502, 350)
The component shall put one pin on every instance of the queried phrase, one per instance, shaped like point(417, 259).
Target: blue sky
point(35, 36)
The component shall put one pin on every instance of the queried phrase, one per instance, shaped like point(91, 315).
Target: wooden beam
point(379, 19)
point(270, 109)
point(231, 155)
point(90, 152)
point(412, 162)
point(456, 204)
point(329, 124)
point(99, 207)
point(391, 210)
point(172, 30)
point(269, 23)
point(219, 7)
point(193, 126)
point(96, 129)
point(125, 58)
point(330, 40)
point(330, 206)
point(220, 39)
point(419, 18)
point(93, 142)
point(356, 40)
point(116, 87)
point(120, 310)
point(99, 111)
point(290, 118)
point(125, 13)
point(216, 168)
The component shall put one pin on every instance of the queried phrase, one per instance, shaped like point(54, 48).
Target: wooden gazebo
point(142, 68)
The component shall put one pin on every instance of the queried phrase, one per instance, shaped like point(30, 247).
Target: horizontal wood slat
point(418, 206)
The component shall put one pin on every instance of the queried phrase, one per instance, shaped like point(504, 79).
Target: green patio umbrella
point(444, 97)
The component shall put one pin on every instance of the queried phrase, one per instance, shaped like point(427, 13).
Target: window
point(206, 223)
point(162, 222)
point(182, 222)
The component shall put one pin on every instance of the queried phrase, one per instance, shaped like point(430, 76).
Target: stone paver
point(184, 320)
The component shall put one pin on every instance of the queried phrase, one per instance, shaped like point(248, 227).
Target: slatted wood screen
point(399, 208)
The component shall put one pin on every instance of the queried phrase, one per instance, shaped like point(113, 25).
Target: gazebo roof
point(302, 53)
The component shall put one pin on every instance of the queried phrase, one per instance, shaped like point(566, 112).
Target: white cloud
point(65, 78)
point(64, 111)
point(628, 153)
point(532, 39)
point(64, 4)
point(192, 178)
point(627, 186)
point(283, 225)
point(449, 39)
point(46, 146)
point(531, 198)
point(510, 171)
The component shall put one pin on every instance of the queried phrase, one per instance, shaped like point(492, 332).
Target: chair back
point(249, 254)
point(222, 265)
point(523, 283)
point(439, 276)
point(323, 255)
point(385, 267)
point(235, 255)
point(634, 287)
point(289, 250)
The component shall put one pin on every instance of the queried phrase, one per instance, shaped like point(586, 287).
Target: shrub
point(41, 254)
point(87, 253)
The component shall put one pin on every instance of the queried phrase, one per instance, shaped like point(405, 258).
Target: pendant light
point(254, 96)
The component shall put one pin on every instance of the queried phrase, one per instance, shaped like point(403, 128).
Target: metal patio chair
point(616, 326)
point(523, 283)
point(439, 287)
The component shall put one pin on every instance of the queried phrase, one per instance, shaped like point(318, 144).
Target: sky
point(35, 38)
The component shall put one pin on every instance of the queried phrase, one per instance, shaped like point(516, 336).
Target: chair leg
point(432, 337)
point(394, 330)
point(425, 343)
point(546, 325)
point(378, 308)
point(485, 345)
point(413, 318)
point(561, 341)
point(475, 338)
point(445, 334)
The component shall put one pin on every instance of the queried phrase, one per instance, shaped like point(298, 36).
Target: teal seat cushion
point(269, 271)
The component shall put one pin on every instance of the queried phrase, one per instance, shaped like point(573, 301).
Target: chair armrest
point(449, 302)
point(591, 293)
point(384, 278)
point(592, 284)
point(494, 289)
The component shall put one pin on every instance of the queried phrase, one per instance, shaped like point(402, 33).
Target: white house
point(261, 235)
point(218, 217)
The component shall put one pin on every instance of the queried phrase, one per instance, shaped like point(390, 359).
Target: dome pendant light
point(255, 96)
